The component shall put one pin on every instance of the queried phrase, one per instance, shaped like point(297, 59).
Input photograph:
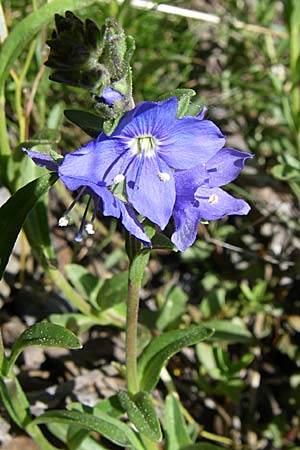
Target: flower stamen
point(78, 237)
point(63, 221)
point(119, 178)
point(89, 228)
point(213, 199)
point(163, 176)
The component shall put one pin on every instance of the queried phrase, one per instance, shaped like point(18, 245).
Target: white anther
point(89, 228)
point(63, 221)
point(119, 178)
point(213, 199)
point(163, 176)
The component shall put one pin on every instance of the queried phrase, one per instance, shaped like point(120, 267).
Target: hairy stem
point(131, 337)
point(138, 261)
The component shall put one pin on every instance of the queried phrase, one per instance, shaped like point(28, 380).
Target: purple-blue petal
point(188, 181)
point(112, 206)
point(225, 166)
point(186, 222)
point(202, 113)
point(132, 225)
point(96, 162)
point(190, 142)
point(149, 195)
point(214, 203)
point(41, 159)
point(148, 118)
point(110, 95)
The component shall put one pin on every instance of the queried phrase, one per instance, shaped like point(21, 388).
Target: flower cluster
point(157, 165)
point(81, 55)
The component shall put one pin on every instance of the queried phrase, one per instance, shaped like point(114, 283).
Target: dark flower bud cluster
point(99, 61)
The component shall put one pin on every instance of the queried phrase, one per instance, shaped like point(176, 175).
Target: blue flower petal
point(186, 222)
point(190, 142)
point(41, 159)
point(214, 203)
point(202, 113)
point(95, 162)
point(149, 195)
point(112, 206)
point(109, 96)
point(225, 166)
point(149, 118)
point(188, 181)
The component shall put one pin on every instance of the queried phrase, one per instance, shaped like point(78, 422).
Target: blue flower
point(109, 96)
point(198, 194)
point(146, 147)
point(98, 192)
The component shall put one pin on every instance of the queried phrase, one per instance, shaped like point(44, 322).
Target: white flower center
point(146, 144)
point(213, 199)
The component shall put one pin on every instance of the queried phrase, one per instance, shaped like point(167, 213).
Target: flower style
point(142, 153)
point(111, 205)
point(198, 194)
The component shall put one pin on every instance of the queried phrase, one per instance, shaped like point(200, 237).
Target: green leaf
point(43, 334)
point(162, 242)
point(76, 322)
point(14, 212)
point(138, 265)
point(149, 227)
point(47, 334)
point(286, 173)
point(26, 29)
point(88, 122)
point(174, 425)
point(60, 430)
point(113, 430)
point(160, 350)
point(202, 446)
point(85, 283)
point(184, 99)
point(110, 125)
point(111, 406)
point(173, 308)
point(2, 354)
point(230, 330)
point(113, 291)
point(141, 413)
point(14, 400)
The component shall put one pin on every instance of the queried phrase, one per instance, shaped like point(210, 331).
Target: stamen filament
point(78, 196)
point(78, 237)
point(139, 172)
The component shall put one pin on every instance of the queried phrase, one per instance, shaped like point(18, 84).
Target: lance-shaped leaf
point(230, 331)
point(43, 334)
point(174, 425)
point(141, 413)
point(112, 429)
point(202, 446)
point(159, 351)
point(88, 122)
point(14, 212)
